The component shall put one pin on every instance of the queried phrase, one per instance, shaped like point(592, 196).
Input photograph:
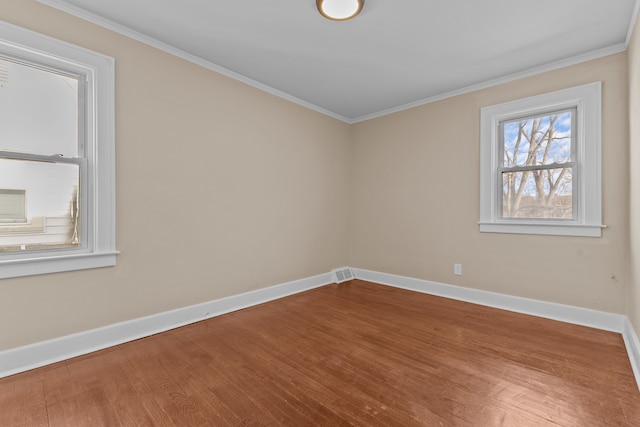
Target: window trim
point(588, 222)
point(98, 72)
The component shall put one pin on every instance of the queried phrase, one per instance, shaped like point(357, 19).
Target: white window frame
point(586, 99)
point(98, 71)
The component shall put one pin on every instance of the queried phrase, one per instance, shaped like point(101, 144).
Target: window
point(57, 156)
point(12, 206)
point(540, 164)
point(537, 166)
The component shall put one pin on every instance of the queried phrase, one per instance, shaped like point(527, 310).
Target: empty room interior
point(425, 214)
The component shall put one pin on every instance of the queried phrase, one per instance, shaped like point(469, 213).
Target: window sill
point(550, 229)
point(55, 264)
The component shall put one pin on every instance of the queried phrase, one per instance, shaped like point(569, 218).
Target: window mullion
point(538, 167)
point(55, 158)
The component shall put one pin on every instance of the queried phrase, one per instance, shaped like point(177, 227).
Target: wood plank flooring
point(350, 354)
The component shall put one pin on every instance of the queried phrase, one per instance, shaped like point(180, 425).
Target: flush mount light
point(339, 10)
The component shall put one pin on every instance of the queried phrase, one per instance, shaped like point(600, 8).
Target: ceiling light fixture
point(339, 10)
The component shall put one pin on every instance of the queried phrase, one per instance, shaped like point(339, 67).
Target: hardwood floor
point(350, 354)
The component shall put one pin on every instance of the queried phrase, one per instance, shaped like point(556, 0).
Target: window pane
point(52, 205)
point(12, 206)
point(546, 193)
point(540, 140)
point(38, 111)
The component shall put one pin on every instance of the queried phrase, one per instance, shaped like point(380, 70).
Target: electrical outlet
point(457, 269)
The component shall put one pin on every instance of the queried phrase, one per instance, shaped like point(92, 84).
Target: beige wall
point(263, 191)
point(634, 166)
point(415, 201)
point(221, 189)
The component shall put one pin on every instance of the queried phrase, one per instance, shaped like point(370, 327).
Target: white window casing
point(97, 125)
point(587, 221)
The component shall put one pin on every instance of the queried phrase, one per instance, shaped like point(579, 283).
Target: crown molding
point(165, 47)
point(600, 53)
point(142, 38)
point(632, 24)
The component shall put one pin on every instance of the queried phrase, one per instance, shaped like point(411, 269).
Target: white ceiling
point(395, 54)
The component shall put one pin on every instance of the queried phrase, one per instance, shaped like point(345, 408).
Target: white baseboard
point(549, 310)
point(633, 348)
point(32, 356)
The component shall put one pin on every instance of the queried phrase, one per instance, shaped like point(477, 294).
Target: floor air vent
point(342, 275)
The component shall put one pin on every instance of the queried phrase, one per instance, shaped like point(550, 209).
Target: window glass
point(537, 168)
point(12, 206)
point(52, 206)
point(38, 111)
point(539, 140)
point(39, 116)
point(545, 193)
